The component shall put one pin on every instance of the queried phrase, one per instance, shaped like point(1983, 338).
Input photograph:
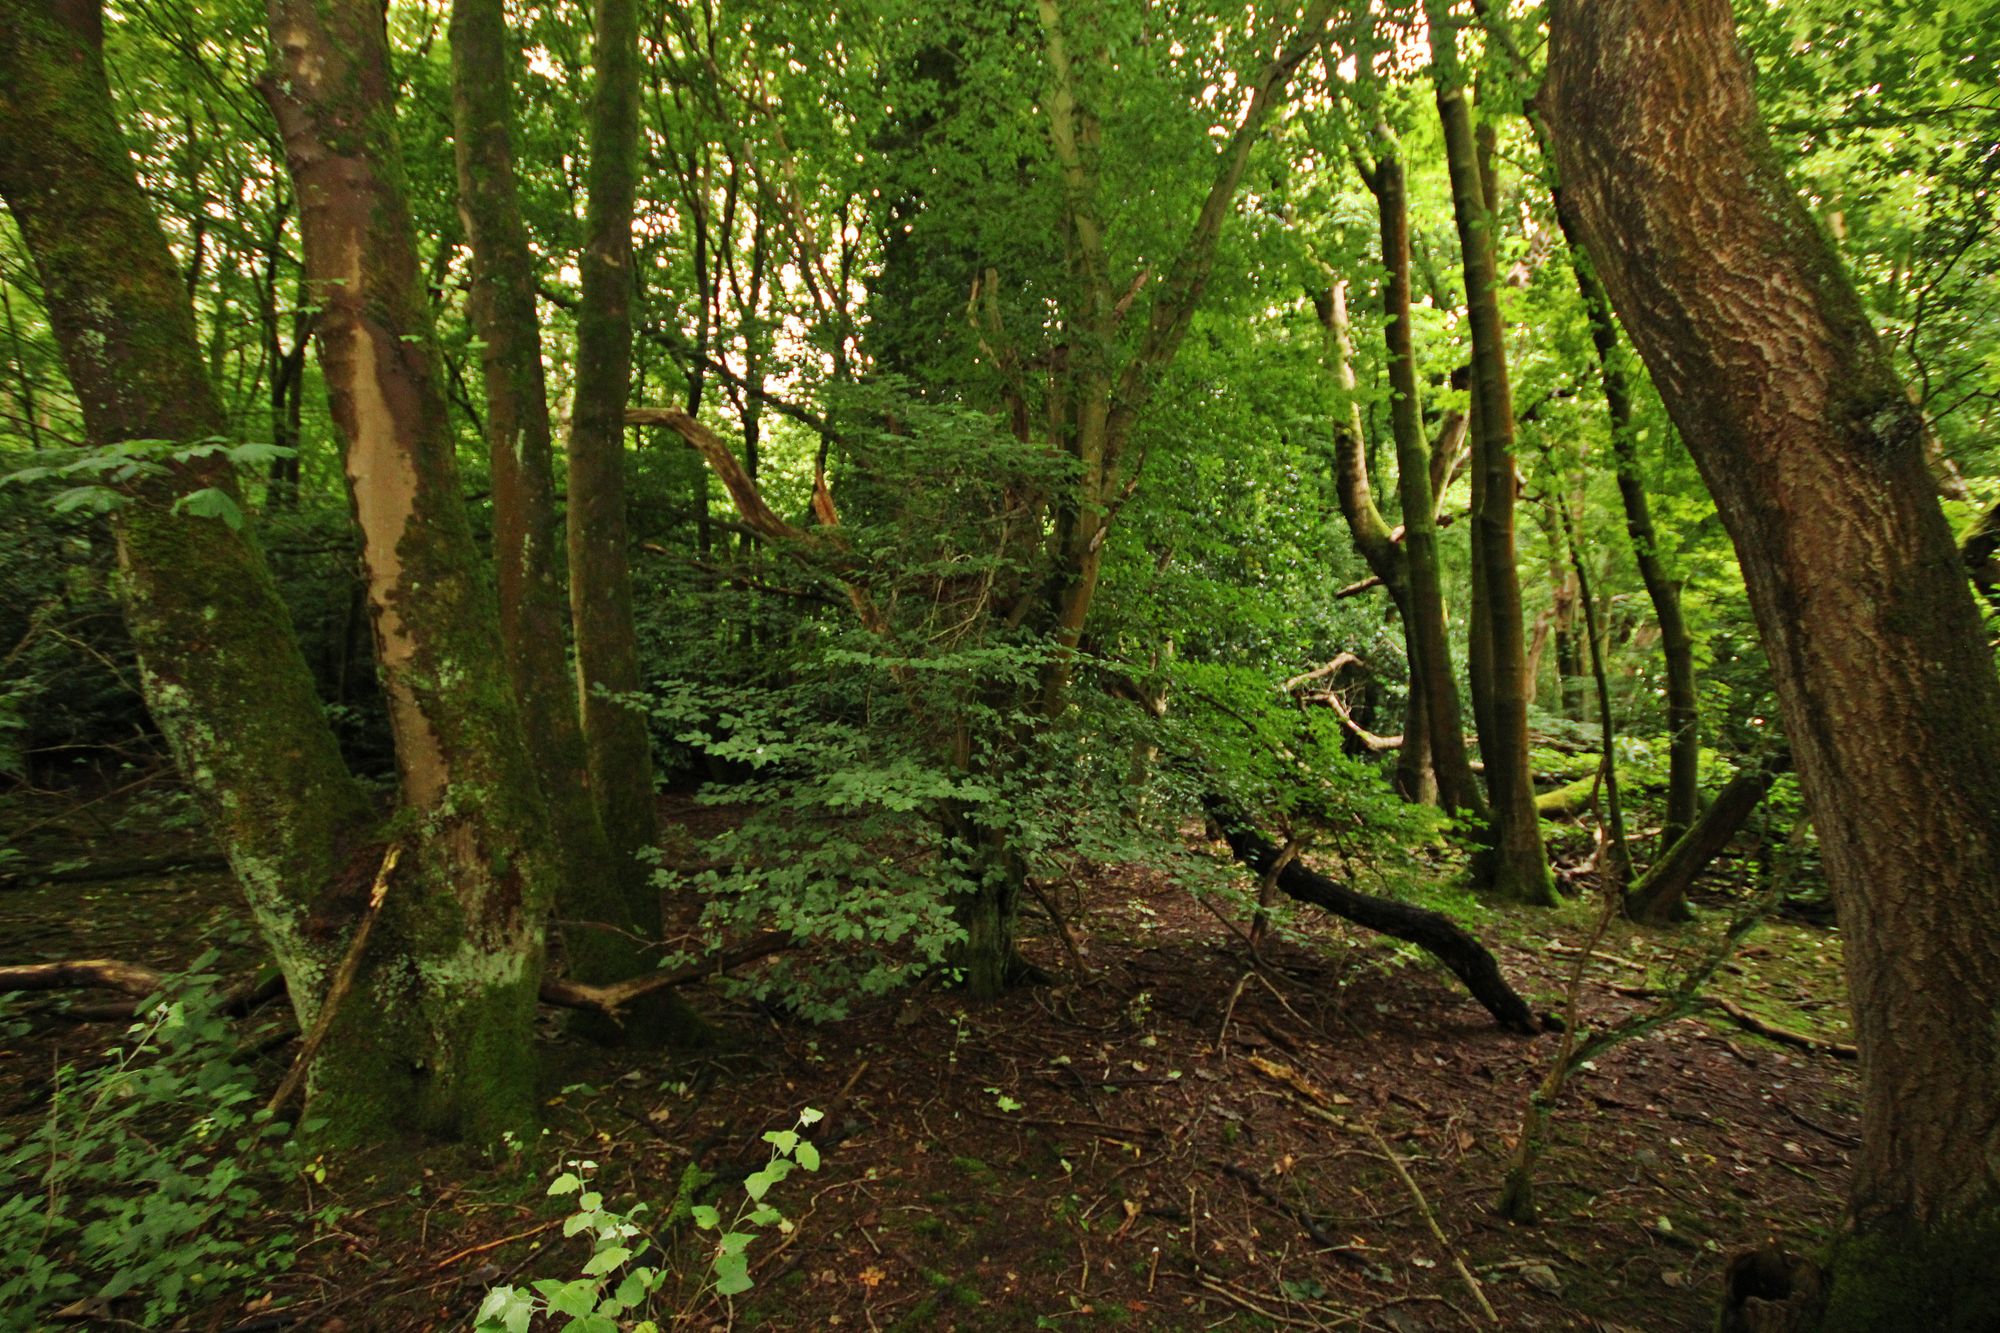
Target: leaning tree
point(1815, 455)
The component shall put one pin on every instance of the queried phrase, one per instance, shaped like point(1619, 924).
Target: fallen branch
point(1743, 1018)
point(140, 981)
point(1437, 934)
point(609, 999)
point(134, 979)
point(104, 872)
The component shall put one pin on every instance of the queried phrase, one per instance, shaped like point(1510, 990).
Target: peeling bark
point(453, 980)
point(219, 664)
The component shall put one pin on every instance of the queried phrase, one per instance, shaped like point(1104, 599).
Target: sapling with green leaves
point(729, 1261)
point(609, 1289)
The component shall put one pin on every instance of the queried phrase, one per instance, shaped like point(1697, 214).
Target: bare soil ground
point(1179, 1140)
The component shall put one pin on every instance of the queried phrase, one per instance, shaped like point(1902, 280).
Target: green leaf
point(732, 1274)
point(807, 1156)
point(211, 502)
point(705, 1217)
point(505, 1310)
point(566, 1183)
point(574, 1298)
point(605, 1260)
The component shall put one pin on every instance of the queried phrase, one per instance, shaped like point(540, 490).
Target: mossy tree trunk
point(599, 943)
point(1660, 895)
point(464, 930)
point(1516, 866)
point(1457, 787)
point(1789, 403)
point(219, 664)
point(600, 590)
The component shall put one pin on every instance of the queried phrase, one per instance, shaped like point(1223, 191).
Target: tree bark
point(1815, 456)
point(1516, 866)
point(607, 643)
point(1457, 788)
point(601, 935)
point(459, 953)
point(1615, 853)
point(1384, 555)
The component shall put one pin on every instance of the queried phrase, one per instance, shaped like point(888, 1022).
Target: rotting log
point(1435, 933)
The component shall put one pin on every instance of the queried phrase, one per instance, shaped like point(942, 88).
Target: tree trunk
point(1815, 457)
point(1384, 555)
point(1676, 644)
point(599, 930)
point(1569, 648)
point(1516, 867)
point(1614, 853)
point(1660, 895)
point(600, 592)
point(1430, 667)
point(220, 666)
point(466, 926)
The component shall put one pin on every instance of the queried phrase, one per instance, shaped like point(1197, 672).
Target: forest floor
point(1179, 1140)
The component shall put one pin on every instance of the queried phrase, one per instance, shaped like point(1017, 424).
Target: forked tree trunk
point(601, 933)
point(600, 588)
point(1385, 556)
point(458, 956)
point(219, 665)
point(1815, 457)
point(1516, 866)
point(1431, 669)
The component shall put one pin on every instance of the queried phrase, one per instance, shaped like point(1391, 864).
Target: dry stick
point(1062, 929)
point(1517, 1197)
point(1322, 1106)
point(469, 1251)
point(1222, 1037)
point(343, 981)
point(1430, 1219)
point(1267, 888)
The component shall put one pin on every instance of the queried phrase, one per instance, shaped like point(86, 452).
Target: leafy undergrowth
point(1177, 1140)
